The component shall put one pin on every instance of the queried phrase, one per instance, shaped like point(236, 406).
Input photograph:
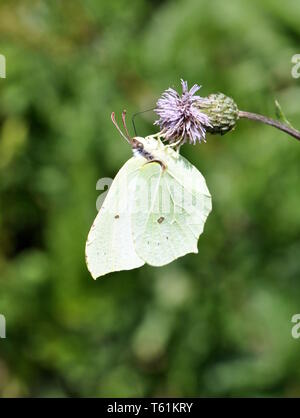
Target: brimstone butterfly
point(154, 211)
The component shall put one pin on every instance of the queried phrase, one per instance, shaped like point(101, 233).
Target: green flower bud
point(222, 111)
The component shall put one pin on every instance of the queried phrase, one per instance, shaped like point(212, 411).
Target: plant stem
point(271, 122)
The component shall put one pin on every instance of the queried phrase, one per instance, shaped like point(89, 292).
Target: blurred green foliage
point(213, 324)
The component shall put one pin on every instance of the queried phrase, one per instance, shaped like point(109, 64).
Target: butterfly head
point(141, 147)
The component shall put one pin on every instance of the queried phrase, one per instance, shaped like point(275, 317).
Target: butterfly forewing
point(109, 245)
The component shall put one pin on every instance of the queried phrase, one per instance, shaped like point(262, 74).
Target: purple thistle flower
point(179, 118)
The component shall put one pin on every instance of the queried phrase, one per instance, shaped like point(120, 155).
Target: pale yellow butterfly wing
point(109, 246)
point(170, 208)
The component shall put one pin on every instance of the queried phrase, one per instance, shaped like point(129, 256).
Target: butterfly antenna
point(136, 114)
point(124, 124)
point(118, 128)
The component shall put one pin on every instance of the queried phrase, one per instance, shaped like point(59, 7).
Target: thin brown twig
point(271, 122)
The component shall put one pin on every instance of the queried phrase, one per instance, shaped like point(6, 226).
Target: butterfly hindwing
point(170, 207)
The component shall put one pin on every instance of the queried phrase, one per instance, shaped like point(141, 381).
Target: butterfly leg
point(175, 145)
point(163, 166)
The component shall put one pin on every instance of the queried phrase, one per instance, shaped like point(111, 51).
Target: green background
point(213, 324)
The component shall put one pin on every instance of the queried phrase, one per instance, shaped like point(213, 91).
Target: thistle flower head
point(179, 117)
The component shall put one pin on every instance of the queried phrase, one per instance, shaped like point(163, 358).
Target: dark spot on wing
point(117, 216)
point(160, 220)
